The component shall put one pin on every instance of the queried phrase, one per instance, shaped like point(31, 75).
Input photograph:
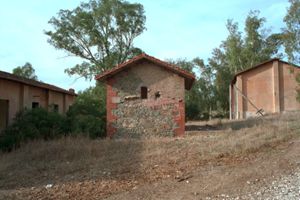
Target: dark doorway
point(3, 113)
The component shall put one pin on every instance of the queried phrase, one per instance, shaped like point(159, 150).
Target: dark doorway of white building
point(3, 113)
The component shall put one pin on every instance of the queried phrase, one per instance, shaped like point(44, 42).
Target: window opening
point(35, 104)
point(55, 108)
point(144, 92)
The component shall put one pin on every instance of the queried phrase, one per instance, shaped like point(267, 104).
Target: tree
point(193, 96)
point(26, 71)
point(232, 48)
point(259, 45)
point(206, 87)
point(200, 99)
point(291, 33)
point(241, 51)
point(101, 32)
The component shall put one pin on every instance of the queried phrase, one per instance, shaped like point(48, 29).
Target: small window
point(55, 108)
point(35, 104)
point(144, 92)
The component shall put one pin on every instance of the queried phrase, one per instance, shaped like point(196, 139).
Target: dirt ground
point(231, 175)
point(214, 158)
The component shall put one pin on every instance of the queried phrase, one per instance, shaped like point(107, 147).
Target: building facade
point(145, 97)
point(267, 88)
point(17, 93)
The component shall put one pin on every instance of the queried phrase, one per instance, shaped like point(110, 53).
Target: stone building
point(17, 93)
point(267, 88)
point(145, 97)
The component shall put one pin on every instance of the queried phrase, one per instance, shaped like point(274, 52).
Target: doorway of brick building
point(4, 104)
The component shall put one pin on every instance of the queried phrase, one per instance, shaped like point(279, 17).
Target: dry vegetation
point(82, 168)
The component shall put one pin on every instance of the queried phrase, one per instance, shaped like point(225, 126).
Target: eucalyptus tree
point(291, 32)
point(101, 32)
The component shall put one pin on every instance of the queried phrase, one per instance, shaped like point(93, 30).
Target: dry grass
point(138, 161)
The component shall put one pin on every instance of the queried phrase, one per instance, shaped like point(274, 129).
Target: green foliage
point(291, 33)
point(298, 90)
point(87, 114)
point(30, 125)
point(100, 31)
point(26, 71)
point(240, 52)
point(200, 100)
point(258, 44)
point(85, 117)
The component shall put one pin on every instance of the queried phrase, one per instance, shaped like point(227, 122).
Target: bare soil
point(223, 158)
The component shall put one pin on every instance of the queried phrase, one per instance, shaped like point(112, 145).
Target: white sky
point(175, 29)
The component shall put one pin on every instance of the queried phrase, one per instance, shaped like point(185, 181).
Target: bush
point(88, 114)
point(85, 117)
point(32, 124)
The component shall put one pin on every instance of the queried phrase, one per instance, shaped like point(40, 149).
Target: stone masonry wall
point(130, 116)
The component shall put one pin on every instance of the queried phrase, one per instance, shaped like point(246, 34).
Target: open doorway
point(3, 113)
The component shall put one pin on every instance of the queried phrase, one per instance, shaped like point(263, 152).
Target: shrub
point(32, 124)
point(85, 117)
point(88, 114)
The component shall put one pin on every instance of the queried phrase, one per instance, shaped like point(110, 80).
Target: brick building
point(145, 96)
point(269, 87)
point(17, 93)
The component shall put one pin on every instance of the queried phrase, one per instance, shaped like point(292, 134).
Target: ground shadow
point(226, 124)
point(205, 127)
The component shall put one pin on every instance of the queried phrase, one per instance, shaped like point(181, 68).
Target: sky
point(175, 29)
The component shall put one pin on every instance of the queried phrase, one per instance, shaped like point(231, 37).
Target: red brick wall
point(110, 117)
point(162, 116)
point(180, 119)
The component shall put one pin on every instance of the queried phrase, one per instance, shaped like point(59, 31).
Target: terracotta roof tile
point(189, 77)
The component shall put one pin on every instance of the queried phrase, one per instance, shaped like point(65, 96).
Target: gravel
point(283, 188)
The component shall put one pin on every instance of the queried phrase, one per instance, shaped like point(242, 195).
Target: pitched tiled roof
point(261, 64)
point(188, 77)
point(26, 81)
